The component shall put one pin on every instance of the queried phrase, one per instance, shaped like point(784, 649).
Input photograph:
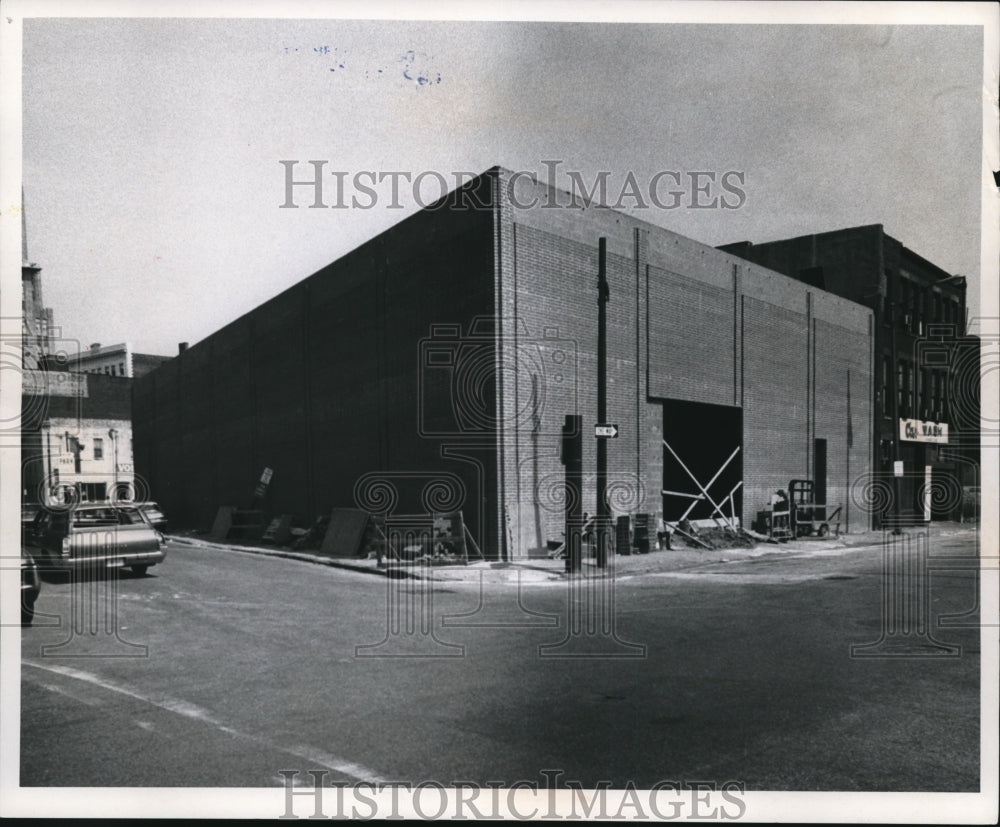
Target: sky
point(152, 147)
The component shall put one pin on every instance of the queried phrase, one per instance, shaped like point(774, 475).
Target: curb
point(843, 543)
point(304, 557)
point(398, 572)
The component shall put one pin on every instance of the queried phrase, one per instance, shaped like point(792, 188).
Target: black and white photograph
point(500, 411)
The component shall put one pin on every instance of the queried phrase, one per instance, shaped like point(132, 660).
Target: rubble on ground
point(713, 538)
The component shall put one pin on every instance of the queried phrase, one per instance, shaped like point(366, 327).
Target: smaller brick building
point(76, 439)
point(114, 360)
point(926, 367)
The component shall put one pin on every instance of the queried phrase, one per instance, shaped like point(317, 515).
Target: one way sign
point(606, 431)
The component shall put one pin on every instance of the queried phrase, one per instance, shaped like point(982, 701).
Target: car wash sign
point(917, 430)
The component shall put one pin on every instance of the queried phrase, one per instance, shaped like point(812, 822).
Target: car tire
point(139, 569)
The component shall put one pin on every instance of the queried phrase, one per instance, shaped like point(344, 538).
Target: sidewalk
point(526, 570)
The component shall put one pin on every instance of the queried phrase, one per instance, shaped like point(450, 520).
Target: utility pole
point(897, 387)
point(602, 401)
point(114, 471)
point(572, 457)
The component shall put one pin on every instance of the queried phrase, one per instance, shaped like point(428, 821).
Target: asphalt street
point(223, 669)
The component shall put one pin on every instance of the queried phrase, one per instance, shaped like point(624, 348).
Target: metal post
point(602, 402)
point(897, 388)
point(572, 457)
point(114, 471)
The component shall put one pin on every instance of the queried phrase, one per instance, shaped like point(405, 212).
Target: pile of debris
point(311, 538)
point(688, 535)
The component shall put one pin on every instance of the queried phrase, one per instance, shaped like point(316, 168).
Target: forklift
point(797, 514)
point(809, 518)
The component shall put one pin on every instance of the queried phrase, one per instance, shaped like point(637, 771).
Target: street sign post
point(606, 431)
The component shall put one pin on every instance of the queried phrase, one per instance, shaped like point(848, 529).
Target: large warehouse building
point(431, 369)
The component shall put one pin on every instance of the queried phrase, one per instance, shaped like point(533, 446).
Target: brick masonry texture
point(685, 322)
point(324, 384)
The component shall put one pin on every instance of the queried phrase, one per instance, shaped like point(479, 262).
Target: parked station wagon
point(95, 536)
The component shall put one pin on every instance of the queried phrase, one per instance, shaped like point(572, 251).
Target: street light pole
point(114, 471)
point(897, 392)
point(602, 402)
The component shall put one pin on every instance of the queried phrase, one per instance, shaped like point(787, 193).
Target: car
point(155, 515)
point(92, 536)
point(31, 587)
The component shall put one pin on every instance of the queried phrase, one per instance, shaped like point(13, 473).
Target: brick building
point(431, 369)
point(926, 368)
point(76, 438)
point(75, 431)
point(114, 360)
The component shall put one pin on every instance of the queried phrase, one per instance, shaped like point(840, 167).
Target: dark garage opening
point(703, 437)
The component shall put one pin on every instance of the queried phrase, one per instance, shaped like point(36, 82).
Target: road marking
point(58, 690)
point(738, 577)
point(318, 759)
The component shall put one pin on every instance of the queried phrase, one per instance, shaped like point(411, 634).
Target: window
point(98, 448)
point(889, 299)
point(886, 447)
point(121, 368)
point(899, 388)
point(909, 390)
point(886, 402)
point(94, 517)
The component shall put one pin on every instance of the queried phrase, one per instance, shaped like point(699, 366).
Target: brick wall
point(775, 399)
point(322, 384)
point(685, 322)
